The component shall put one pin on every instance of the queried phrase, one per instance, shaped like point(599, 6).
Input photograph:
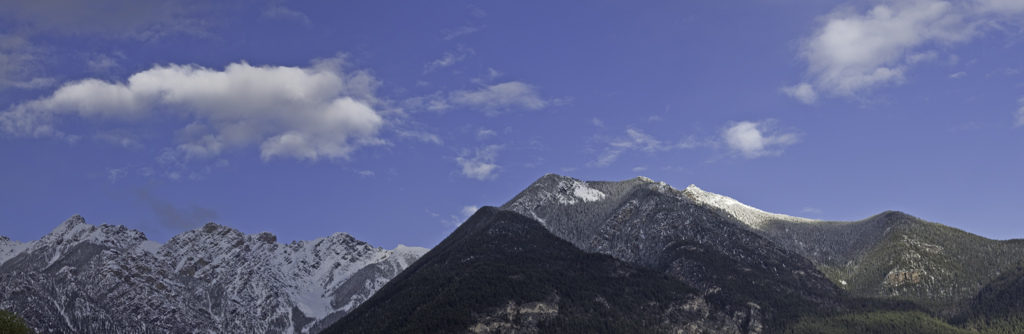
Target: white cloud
point(102, 63)
point(756, 139)
point(450, 34)
point(852, 51)
point(597, 122)
point(119, 138)
point(469, 210)
point(958, 75)
point(485, 133)
point(113, 174)
point(490, 99)
point(304, 113)
point(457, 219)
point(480, 164)
point(448, 59)
point(920, 57)
point(636, 140)
point(1020, 113)
point(19, 64)
point(803, 92)
point(422, 136)
point(500, 97)
point(284, 13)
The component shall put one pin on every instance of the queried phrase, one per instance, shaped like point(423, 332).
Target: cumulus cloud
point(854, 51)
point(500, 97)
point(304, 113)
point(757, 139)
point(637, 140)
point(480, 163)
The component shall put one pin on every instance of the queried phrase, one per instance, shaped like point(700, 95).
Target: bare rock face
point(900, 277)
point(517, 318)
point(81, 278)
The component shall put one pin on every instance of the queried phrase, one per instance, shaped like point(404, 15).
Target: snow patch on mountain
point(585, 193)
point(573, 191)
point(9, 248)
point(753, 217)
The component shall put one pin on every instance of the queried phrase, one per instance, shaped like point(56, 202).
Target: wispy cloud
point(500, 97)
point(453, 33)
point(485, 133)
point(457, 219)
point(1020, 112)
point(803, 92)
point(20, 64)
point(278, 12)
point(422, 136)
point(637, 140)
point(448, 59)
point(479, 164)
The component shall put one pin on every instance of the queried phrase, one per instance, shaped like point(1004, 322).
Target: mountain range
point(563, 255)
point(731, 268)
point(82, 278)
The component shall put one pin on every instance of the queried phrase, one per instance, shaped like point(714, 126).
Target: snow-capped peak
point(9, 248)
point(75, 230)
point(71, 224)
point(749, 215)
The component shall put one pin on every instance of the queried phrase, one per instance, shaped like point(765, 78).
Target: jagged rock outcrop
point(81, 278)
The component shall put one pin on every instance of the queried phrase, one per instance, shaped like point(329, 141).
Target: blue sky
point(392, 120)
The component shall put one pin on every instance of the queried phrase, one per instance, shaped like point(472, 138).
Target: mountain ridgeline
point(82, 278)
point(566, 255)
point(562, 256)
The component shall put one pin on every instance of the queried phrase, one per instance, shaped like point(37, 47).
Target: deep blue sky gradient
point(940, 148)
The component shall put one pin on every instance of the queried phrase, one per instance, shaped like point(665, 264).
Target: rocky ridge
point(83, 278)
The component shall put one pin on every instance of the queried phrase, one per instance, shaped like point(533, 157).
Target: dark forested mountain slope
point(999, 306)
point(502, 272)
